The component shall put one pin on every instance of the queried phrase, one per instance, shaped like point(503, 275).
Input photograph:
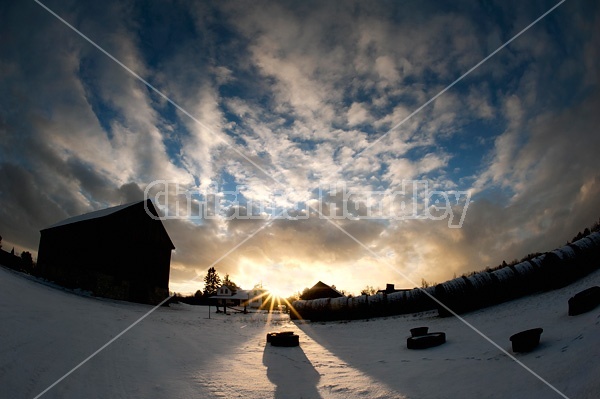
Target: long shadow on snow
point(291, 372)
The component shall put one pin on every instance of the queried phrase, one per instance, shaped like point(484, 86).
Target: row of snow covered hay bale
point(411, 301)
point(548, 271)
point(364, 306)
point(466, 293)
point(462, 294)
point(565, 265)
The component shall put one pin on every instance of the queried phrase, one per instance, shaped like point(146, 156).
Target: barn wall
point(124, 255)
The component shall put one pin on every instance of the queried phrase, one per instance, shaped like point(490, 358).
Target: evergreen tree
point(228, 282)
point(212, 282)
point(27, 260)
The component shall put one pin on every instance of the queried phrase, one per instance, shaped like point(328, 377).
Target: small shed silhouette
point(321, 290)
point(123, 252)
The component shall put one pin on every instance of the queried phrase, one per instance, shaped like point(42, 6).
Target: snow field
point(178, 352)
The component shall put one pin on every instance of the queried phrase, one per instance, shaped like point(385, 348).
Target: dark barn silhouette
point(120, 252)
point(321, 290)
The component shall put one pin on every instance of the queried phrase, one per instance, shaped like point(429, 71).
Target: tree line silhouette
point(23, 263)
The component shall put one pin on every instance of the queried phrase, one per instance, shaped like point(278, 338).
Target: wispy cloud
point(299, 89)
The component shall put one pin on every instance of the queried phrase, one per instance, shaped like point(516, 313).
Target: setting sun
point(277, 293)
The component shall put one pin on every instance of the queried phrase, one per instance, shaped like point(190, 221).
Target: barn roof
point(109, 211)
point(92, 215)
point(322, 290)
point(322, 286)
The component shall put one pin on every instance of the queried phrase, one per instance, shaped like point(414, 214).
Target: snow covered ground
point(178, 352)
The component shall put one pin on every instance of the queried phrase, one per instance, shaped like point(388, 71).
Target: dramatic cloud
point(286, 105)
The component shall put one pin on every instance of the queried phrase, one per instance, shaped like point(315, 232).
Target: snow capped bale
point(585, 244)
point(298, 309)
point(537, 261)
point(595, 250)
point(410, 299)
point(508, 283)
point(308, 310)
point(321, 304)
point(417, 301)
point(338, 304)
point(358, 307)
point(358, 301)
point(299, 304)
point(528, 276)
point(339, 308)
point(595, 237)
point(457, 287)
point(396, 302)
point(559, 268)
point(377, 305)
point(320, 309)
point(565, 253)
point(485, 289)
point(426, 301)
point(504, 275)
point(480, 281)
point(588, 252)
point(455, 294)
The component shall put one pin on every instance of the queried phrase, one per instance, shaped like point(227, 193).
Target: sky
point(332, 124)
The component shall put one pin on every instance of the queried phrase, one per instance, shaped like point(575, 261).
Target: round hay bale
point(339, 308)
point(508, 283)
point(588, 253)
point(595, 237)
point(358, 307)
point(537, 261)
point(298, 309)
point(527, 340)
point(528, 276)
point(426, 341)
point(417, 300)
point(559, 268)
point(485, 289)
point(584, 301)
point(320, 309)
point(377, 305)
point(285, 340)
point(418, 331)
point(455, 294)
point(270, 336)
point(396, 302)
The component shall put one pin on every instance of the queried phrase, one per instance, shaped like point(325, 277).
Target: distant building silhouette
point(120, 252)
point(389, 289)
point(226, 290)
point(321, 290)
point(231, 296)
